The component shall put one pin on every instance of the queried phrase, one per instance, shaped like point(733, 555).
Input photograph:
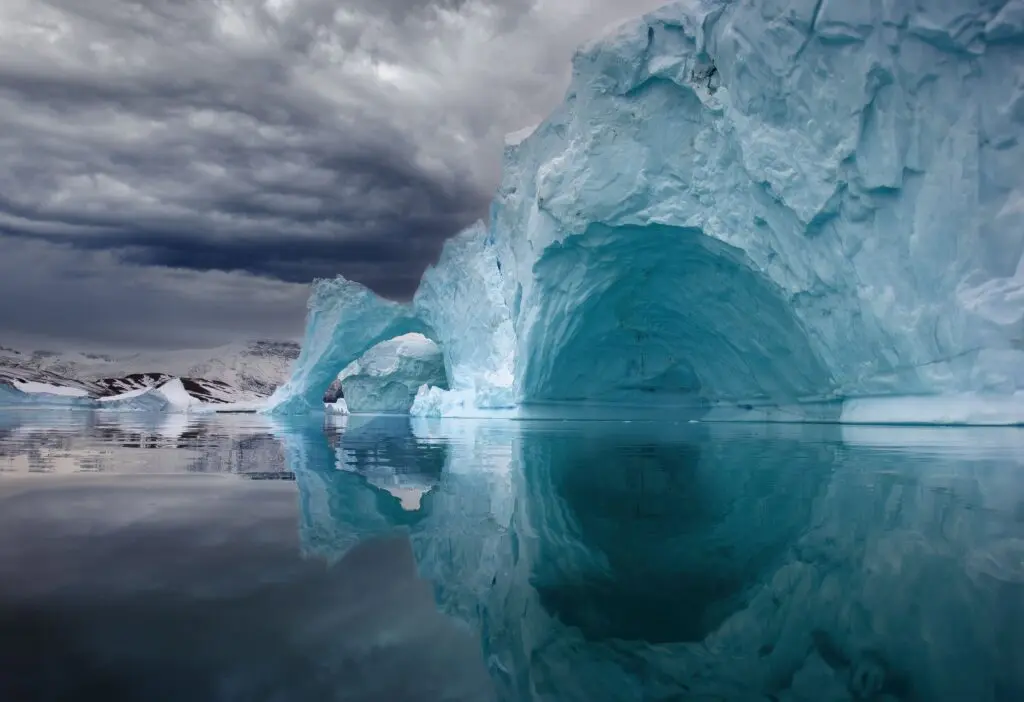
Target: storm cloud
point(168, 164)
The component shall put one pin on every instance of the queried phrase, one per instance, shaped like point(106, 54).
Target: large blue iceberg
point(772, 210)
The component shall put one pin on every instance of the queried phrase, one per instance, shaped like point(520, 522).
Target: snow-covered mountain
point(256, 366)
point(205, 389)
point(233, 373)
point(13, 370)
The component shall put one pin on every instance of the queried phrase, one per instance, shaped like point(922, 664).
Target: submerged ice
point(763, 210)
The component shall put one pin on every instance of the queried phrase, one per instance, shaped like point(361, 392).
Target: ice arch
point(635, 315)
point(459, 306)
point(345, 320)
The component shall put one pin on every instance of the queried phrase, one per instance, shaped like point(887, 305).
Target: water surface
point(378, 558)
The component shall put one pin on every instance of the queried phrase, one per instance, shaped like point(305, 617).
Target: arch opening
point(661, 315)
point(345, 320)
point(386, 378)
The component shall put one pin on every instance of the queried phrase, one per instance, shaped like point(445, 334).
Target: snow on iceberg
point(387, 377)
point(765, 210)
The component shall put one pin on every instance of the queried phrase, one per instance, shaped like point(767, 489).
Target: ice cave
point(653, 301)
point(808, 210)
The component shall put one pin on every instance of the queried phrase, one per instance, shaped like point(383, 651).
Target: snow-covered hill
point(13, 372)
point(234, 373)
point(255, 366)
point(205, 389)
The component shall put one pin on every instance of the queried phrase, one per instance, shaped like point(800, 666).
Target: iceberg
point(338, 407)
point(387, 377)
point(756, 211)
point(47, 389)
point(168, 397)
point(345, 321)
point(34, 394)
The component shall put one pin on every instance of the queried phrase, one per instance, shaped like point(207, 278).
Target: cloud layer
point(253, 143)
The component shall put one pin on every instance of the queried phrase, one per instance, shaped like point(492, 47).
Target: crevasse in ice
point(760, 209)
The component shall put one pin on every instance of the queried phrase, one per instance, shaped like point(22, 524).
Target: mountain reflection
point(65, 442)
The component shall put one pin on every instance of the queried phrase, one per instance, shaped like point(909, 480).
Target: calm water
point(239, 558)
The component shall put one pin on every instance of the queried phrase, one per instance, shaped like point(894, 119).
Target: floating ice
point(345, 320)
point(33, 388)
point(168, 397)
point(765, 210)
point(339, 407)
point(461, 300)
point(31, 394)
point(386, 378)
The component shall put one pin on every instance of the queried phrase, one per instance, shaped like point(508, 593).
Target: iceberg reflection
point(660, 561)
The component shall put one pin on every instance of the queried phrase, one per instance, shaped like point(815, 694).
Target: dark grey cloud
point(262, 142)
point(98, 300)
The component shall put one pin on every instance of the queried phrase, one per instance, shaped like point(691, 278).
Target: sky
point(175, 172)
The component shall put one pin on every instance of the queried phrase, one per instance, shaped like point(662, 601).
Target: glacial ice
point(345, 320)
point(764, 211)
point(31, 394)
point(461, 299)
point(338, 407)
point(34, 388)
point(168, 397)
point(387, 377)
